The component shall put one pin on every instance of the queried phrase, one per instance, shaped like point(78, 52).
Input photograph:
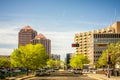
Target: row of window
point(106, 40)
point(106, 35)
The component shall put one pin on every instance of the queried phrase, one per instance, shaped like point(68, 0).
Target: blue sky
point(58, 20)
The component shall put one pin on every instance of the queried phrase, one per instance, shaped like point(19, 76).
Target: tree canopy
point(114, 51)
point(102, 61)
point(78, 61)
point(51, 63)
point(29, 56)
point(4, 62)
point(54, 63)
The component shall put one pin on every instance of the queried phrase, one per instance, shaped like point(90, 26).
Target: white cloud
point(5, 51)
point(8, 36)
point(8, 40)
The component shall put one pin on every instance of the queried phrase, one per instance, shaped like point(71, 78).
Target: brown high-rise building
point(29, 36)
point(26, 34)
point(43, 40)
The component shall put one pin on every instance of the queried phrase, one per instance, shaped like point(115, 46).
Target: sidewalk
point(25, 77)
point(19, 78)
point(102, 77)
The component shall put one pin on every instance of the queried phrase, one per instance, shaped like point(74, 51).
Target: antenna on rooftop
point(114, 19)
point(115, 15)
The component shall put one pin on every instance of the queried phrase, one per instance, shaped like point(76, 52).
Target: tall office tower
point(84, 39)
point(26, 34)
point(43, 40)
point(68, 57)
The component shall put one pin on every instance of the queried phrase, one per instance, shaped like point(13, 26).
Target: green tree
point(51, 63)
point(102, 61)
point(4, 62)
point(78, 61)
point(57, 63)
point(40, 57)
point(29, 56)
point(114, 51)
point(54, 63)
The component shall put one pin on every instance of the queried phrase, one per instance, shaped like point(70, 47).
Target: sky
point(58, 20)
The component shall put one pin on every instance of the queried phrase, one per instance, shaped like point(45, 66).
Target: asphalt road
point(62, 75)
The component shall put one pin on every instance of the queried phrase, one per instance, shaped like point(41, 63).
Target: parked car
point(42, 72)
point(92, 70)
point(50, 70)
point(71, 70)
point(16, 70)
point(77, 71)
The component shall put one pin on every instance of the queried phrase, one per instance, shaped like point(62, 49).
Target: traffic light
point(109, 59)
point(75, 45)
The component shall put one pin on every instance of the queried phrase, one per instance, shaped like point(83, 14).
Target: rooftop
point(27, 28)
point(40, 36)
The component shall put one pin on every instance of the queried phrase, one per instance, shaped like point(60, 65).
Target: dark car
point(77, 71)
point(42, 72)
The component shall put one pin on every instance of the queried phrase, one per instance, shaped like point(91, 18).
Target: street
point(62, 75)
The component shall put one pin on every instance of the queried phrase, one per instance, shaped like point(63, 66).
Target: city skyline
point(58, 20)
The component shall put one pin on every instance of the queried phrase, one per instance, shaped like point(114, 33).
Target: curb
point(25, 77)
